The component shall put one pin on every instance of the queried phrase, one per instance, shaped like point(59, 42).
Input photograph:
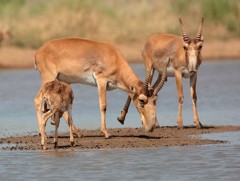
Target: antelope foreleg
point(178, 76)
point(103, 105)
point(193, 83)
point(124, 111)
point(154, 86)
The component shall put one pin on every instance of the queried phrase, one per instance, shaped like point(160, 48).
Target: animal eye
point(142, 99)
point(141, 102)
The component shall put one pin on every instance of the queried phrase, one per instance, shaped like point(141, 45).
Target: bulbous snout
point(149, 126)
point(148, 113)
point(192, 67)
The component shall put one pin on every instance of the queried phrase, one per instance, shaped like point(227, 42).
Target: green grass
point(225, 13)
point(33, 22)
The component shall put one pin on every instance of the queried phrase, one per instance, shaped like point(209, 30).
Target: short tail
point(45, 106)
point(34, 62)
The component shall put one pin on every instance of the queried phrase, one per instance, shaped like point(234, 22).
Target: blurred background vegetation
point(32, 22)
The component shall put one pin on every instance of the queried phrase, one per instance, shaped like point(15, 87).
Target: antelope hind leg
point(74, 129)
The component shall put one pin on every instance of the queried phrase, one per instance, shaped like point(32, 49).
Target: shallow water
point(209, 162)
point(218, 104)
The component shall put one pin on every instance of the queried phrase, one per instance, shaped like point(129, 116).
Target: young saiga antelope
point(59, 98)
point(184, 64)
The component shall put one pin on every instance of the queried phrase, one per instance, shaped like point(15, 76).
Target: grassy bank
point(33, 22)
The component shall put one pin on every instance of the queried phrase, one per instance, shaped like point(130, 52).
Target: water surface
point(209, 162)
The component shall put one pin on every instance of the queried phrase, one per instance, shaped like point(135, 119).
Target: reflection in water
point(218, 102)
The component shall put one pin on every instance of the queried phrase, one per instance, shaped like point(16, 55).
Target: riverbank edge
point(18, 58)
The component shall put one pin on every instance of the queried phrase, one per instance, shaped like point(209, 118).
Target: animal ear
point(200, 44)
point(132, 89)
point(185, 45)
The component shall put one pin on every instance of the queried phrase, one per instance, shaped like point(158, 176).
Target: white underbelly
point(87, 78)
point(170, 72)
point(184, 71)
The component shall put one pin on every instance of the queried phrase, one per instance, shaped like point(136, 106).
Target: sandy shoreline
point(17, 58)
point(122, 138)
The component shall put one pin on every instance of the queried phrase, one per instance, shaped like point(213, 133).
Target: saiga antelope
point(184, 64)
point(4, 35)
point(75, 60)
point(59, 97)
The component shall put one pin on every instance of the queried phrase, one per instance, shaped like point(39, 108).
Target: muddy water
point(218, 103)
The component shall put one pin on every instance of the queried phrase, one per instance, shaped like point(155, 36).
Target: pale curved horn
point(184, 33)
point(199, 33)
point(163, 79)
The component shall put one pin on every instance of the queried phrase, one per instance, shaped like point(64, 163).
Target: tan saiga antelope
point(4, 35)
point(185, 63)
point(59, 97)
point(75, 60)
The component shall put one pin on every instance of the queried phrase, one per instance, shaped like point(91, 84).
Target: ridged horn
point(147, 80)
point(199, 33)
point(184, 33)
point(163, 79)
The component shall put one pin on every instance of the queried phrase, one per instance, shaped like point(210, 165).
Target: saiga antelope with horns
point(75, 60)
point(184, 64)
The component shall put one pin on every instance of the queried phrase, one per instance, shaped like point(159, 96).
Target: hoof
point(72, 143)
point(77, 133)
point(53, 122)
point(199, 126)
point(120, 120)
point(157, 125)
point(44, 147)
point(180, 127)
point(108, 136)
point(55, 144)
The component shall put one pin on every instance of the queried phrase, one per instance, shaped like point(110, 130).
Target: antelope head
point(192, 47)
point(145, 102)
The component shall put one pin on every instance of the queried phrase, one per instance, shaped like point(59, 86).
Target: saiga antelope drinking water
point(184, 64)
point(59, 97)
point(75, 60)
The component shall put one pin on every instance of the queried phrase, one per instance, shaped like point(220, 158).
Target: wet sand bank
point(121, 138)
